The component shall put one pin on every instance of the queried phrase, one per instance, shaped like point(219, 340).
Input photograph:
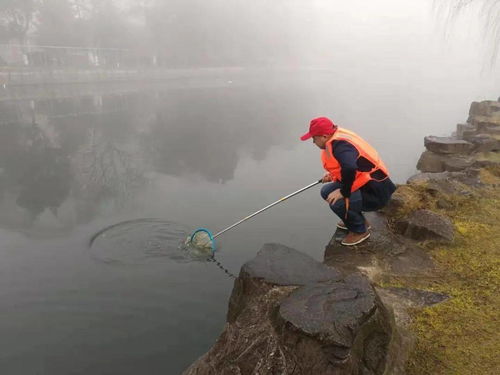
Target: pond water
point(164, 161)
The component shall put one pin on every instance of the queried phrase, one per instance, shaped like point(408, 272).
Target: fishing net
point(202, 239)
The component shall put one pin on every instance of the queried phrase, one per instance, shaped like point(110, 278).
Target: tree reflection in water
point(63, 159)
point(35, 173)
point(82, 156)
point(105, 172)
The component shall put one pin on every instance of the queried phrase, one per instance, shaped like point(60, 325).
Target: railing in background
point(32, 64)
point(43, 56)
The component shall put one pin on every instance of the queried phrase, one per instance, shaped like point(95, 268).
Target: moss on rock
point(461, 336)
point(411, 198)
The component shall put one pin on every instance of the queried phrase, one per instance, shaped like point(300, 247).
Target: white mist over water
point(385, 69)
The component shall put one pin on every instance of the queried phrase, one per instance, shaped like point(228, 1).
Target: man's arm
point(347, 155)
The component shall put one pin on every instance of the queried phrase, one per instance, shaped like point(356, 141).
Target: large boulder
point(282, 265)
point(447, 145)
point(342, 317)
point(457, 163)
point(291, 314)
point(423, 225)
point(431, 162)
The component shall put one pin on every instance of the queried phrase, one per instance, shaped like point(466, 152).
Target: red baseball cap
point(319, 126)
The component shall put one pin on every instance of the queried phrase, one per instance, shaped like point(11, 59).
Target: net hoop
point(210, 236)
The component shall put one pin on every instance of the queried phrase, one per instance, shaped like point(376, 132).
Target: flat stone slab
point(424, 225)
point(386, 253)
point(282, 265)
point(413, 262)
point(403, 299)
point(447, 145)
point(485, 122)
point(448, 182)
point(484, 108)
point(419, 297)
point(331, 310)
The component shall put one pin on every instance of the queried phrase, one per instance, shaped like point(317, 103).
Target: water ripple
point(141, 241)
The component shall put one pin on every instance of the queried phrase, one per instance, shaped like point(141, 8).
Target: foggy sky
point(322, 32)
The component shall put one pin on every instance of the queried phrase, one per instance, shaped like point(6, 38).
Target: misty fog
point(190, 112)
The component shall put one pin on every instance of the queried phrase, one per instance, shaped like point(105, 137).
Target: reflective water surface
point(188, 156)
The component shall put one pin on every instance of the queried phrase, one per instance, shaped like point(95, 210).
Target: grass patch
point(488, 156)
point(412, 197)
point(461, 336)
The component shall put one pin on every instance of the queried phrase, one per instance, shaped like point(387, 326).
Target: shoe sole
point(357, 242)
point(343, 227)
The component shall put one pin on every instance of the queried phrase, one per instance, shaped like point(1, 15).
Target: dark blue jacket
point(350, 162)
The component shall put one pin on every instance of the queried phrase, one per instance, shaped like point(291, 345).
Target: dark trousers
point(371, 197)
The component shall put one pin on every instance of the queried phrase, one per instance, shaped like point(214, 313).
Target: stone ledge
point(335, 326)
point(298, 269)
point(447, 145)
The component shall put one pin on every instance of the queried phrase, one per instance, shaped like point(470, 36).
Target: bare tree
point(16, 19)
point(57, 23)
point(489, 11)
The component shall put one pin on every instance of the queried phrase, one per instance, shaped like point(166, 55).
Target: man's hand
point(326, 178)
point(334, 196)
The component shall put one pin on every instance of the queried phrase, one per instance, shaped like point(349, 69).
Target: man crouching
point(358, 179)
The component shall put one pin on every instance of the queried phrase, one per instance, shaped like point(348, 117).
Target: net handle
point(269, 206)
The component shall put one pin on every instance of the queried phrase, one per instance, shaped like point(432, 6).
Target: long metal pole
point(269, 206)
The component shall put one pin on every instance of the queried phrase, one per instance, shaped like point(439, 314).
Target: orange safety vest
point(364, 149)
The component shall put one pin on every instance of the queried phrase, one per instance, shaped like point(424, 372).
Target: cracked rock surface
point(334, 310)
point(289, 314)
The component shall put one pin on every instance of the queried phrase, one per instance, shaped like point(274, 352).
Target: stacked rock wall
point(474, 144)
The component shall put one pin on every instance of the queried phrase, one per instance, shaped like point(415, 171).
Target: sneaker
point(353, 238)
point(341, 225)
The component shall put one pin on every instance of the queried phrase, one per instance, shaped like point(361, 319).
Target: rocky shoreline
point(289, 314)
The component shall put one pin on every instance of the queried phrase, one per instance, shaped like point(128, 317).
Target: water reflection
point(73, 159)
point(206, 131)
point(105, 172)
point(34, 173)
point(73, 166)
